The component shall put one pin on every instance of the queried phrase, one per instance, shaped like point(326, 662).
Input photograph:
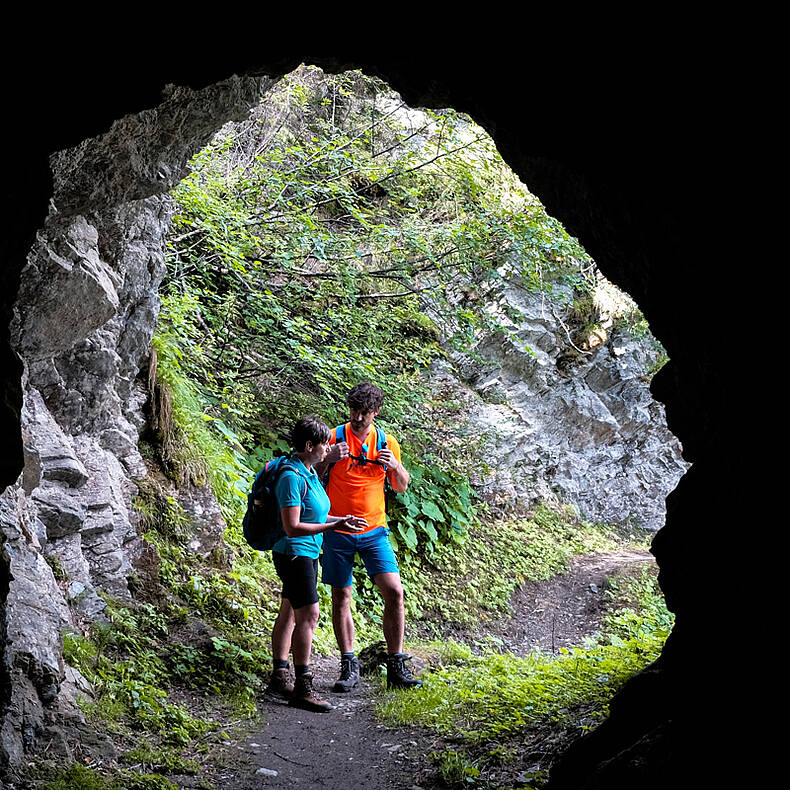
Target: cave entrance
point(338, 235)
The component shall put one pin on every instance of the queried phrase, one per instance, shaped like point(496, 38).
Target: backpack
point(381, 444)
point(261, 524)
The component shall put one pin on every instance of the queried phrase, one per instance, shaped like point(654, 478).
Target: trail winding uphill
point(562, 611)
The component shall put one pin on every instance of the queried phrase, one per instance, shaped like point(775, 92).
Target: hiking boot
point(398, 674)
point(349, 675)
point(280, 685)
point(304, 697)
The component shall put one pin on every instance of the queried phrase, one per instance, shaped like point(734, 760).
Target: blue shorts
point(337, 559)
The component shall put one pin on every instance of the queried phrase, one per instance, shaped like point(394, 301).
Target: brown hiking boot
point(280, 686)
point(304, 697)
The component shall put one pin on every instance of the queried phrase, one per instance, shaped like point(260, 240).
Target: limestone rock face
point(67, 292)
point(82, 325)
point(558, 421)
point(34, 617)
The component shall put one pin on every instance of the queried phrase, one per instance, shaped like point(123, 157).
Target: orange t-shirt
point(358, 490)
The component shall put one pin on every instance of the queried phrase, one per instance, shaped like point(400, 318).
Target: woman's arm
point(294, 528)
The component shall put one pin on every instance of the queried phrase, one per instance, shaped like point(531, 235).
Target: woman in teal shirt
point(304, 512)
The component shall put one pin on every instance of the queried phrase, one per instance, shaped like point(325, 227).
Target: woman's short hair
point(309, 429)
point(365, 397)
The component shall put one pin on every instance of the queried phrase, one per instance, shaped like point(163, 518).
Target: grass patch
point(80, 777)
point(493, 708)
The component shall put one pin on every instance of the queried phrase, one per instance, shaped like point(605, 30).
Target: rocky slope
point(82, 325)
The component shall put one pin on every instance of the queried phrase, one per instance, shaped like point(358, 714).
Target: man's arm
point(397, 473)
point(337, 452)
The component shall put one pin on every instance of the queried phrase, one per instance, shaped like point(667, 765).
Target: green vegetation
point(482, 702)
point(126, 661)
point(499, 557)
point(80, 777)
point(335, 238)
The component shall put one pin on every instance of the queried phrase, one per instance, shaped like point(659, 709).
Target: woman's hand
point(350, 524)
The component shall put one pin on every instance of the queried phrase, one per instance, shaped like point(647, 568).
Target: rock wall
point(82, 325)
point(560, 422)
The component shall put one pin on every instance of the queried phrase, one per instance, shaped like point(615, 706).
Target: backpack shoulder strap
point(288, 466)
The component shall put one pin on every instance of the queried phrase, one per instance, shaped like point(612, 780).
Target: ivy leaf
point(409, 535)
point(430, 530)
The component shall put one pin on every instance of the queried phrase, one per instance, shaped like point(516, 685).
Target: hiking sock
point(280, 663)
point(301, 669)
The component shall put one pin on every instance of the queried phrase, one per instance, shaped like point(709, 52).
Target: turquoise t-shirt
point(305, 490)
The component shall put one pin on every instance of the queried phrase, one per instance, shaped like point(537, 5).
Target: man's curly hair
point(365, 397)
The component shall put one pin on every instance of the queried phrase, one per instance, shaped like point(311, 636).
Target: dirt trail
point(565, 609)
point(344, 748)
point(349, 748)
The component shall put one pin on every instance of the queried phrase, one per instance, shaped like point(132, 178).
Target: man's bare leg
point(343, 624)
point(342, 621)
point(394, 623)
point(394, 620)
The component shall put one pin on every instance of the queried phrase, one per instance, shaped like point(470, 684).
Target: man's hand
point(337, 452)
point(386, 456)
point(397, 473)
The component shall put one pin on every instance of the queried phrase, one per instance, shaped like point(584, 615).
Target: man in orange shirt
point(356, 485)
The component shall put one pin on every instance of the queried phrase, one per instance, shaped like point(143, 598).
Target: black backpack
point(262, 525)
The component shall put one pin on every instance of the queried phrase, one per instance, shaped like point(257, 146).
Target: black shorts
point(299, 576)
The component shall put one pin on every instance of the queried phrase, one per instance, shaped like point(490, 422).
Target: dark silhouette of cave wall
point(628, 166)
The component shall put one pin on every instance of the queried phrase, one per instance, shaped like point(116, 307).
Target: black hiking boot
point(398, 674)
point(304, 697)
point(280, 687)
point(349, 675)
